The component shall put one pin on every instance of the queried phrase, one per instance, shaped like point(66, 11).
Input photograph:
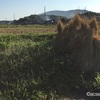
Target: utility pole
point(78, 9)
point(85, 8)
point(14, 16)
point(44, 13)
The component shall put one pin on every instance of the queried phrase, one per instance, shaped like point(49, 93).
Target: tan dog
point(80, 39)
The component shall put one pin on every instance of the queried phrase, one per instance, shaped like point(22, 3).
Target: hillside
point(92, 14)
point(51, 17)
point(68, 14)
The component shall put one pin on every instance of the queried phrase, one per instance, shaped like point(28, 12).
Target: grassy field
point(21, 63)
point(31, 68)
point(22, 29)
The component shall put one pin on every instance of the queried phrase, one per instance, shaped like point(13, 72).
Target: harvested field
point(27, 29)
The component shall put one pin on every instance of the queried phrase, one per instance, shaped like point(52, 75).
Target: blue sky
point(22, 8)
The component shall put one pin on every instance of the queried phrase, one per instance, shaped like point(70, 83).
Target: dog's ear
point(59, 26)
point(94, 26)
point(77, 21)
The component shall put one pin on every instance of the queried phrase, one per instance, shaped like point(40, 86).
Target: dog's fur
point(80, 39)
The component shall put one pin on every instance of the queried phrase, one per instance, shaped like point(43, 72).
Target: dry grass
point(25, 29)
point(80, 38)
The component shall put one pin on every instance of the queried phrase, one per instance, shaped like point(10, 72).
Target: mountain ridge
point(54, 15)
point(68, 14)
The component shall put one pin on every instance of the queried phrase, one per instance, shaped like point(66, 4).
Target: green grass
point(21, 66)
point(31, 68)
